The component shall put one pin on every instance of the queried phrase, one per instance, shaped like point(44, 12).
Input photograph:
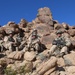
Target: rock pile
point(28, 63)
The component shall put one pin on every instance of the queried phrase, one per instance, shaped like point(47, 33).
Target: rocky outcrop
point(28, 62)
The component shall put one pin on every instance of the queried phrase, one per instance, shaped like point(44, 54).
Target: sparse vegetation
point(9, 71)
point(22, 71)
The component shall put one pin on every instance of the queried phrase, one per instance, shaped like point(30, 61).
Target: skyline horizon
point(62, 11)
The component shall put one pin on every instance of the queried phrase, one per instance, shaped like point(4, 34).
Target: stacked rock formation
point(28, 63)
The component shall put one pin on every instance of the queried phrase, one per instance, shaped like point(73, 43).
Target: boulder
point(71, 32)
point(37, 63)
point(46, 66)
point(69, 59)
point(36, 21)
point(6, 61)
point(8, 29)
point(66, 35)
point(16, 55)
point(43, 29)
point(1, 70)
point(11, 55)
point(44, 11)
point(72, 27)
point(73, 42)
point(70, 69)
point(48, 39)
point(54, 73)
point(12, 24)
point(60, 62)
point(50, 71)
point(63, 73)
point(2, 31)
point(58, 26)
point(3, 62)
point(45, 19)
point(23, 23)
point(66, 26)
point(29, 56)
point(19, 55)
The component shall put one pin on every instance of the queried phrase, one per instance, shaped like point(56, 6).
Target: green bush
point(9, 71)
point(22, 71)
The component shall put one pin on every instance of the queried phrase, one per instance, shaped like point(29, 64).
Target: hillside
point(22, 62)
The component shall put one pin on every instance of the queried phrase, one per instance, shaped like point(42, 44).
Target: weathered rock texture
point(28, 63)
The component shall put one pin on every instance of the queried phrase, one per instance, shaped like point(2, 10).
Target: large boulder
point(45, 19)
point(48, 65)
point(12, 28)
point(70, 69)
point(36, 21)
point(71, 32)
point(2, 31)
point(73, 42)
point(48, 39)
point(50, 71)
point(29, 56)
point(12, 24)
point(44, 16)
point(69, 59)
point(66, 26)
point(16, 55)
point(43, 29)
point(44, 11)
point(60, 62)
point(58, 26)
point(23, 23)
point(8, 29)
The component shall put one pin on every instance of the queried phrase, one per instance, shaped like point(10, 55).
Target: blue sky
point(14, 10)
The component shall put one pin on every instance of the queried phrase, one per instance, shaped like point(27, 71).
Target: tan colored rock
point(3, 62)
point(2, 31)
point(57, 26)
point(69, 59)
point(66, 26)
point(60, 62)
point(36, 63)
point(37, 21)
point(8, 29)
point(71, 32)
point(48, 46)
point(70, 69)
point(23, 23)
point(43, 29)
point(46, 19)
point(7, 52)
point(11, 55)
point(46, 66)
point(50, 71)
point(44, 11)
point(73, 42)
point(1, 70)
point(29, 56)
point(16, 55)
point(54, 73)
point(72, 27)
point(12, 24)
point(19, 55)
point(63, 73)
point(66, 35)
point(48, 39)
